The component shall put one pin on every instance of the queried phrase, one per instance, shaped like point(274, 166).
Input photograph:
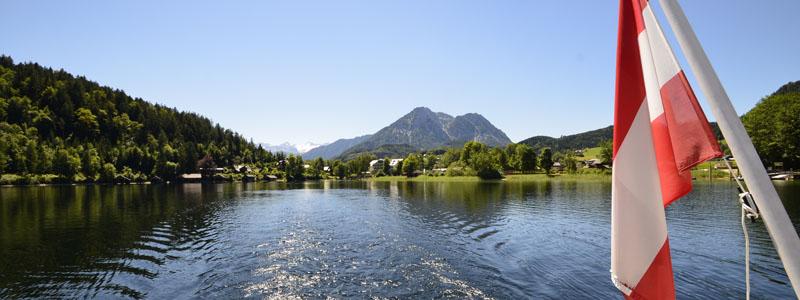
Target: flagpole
point(780, 228)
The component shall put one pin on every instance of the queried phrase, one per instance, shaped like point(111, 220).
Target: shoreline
point(507, 178)
point(537, 177)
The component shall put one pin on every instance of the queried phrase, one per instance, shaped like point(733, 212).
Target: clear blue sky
point(321, 70)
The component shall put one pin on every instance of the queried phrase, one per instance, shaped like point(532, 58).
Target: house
point(376, 166)
point(270, 178)
point(326, 169)
point(211, 173)
point(439, 171)
point(594, 163)
point(394, 162)
point(249, 178)
point(192, 177)
point(208, 168)
point(242, 169)
point(558, 166)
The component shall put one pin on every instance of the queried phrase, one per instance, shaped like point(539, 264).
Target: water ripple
point(359, 240)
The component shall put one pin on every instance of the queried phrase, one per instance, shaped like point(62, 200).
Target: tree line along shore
point(472, 162)
point(59, 128)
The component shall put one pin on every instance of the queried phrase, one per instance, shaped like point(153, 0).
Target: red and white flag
point(660, 133)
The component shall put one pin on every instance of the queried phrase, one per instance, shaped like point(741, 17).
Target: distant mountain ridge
point(582, 140)
point(290, 148)
point(423, 129)
point(334, 149)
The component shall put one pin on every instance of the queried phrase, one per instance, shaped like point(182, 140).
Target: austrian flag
point(660, 133)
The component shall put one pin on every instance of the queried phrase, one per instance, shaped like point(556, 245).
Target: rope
point(746, 257)
point(749, 210)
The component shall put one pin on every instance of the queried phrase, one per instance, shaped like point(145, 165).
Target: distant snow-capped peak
point(305, 147)
point(290, 148)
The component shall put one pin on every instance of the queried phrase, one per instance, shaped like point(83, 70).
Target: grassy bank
point(510, 178)
point(714, 170)
point(43, 179)
point(544, 177)
point(425, 178)
point(14, 179)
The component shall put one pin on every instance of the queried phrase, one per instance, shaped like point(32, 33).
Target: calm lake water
point(361, 240)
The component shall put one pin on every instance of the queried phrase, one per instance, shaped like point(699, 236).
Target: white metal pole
point(780, 228)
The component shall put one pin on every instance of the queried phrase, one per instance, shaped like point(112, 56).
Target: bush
point(7, 179)
point(485, 166)
point(594, 171)
point(108, 173)
point(459, 168)
point(66, 164)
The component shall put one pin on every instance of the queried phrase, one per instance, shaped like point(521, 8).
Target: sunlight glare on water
point(473, 240)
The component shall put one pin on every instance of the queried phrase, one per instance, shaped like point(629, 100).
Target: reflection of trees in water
point(439, 202)
point(789, 191)
point(107, 232)
point(467, 204)
point(478, 196)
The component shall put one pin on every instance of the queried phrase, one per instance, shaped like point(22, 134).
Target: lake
point(502, 240)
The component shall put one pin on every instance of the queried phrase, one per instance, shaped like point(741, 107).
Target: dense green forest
point(56, 127)
point(52, 122)
point(774, 126)
point(582, 140)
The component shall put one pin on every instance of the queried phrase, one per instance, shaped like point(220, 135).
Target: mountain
point(423, 129)
point(305, 147)
point(334, 149)
point(289, 148)
point(594, 137)
point(575, 141)
point(474, 127)
point(285, 148)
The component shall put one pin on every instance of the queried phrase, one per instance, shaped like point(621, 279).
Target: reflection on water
point(360, 239)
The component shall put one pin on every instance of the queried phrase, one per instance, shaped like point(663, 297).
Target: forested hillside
point(389, 150)
point(52, 122)
point(336, 148)
point(582, 140)
point(774, 126)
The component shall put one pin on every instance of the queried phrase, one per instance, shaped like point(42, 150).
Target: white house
point(393, 163)
point(375, 166)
